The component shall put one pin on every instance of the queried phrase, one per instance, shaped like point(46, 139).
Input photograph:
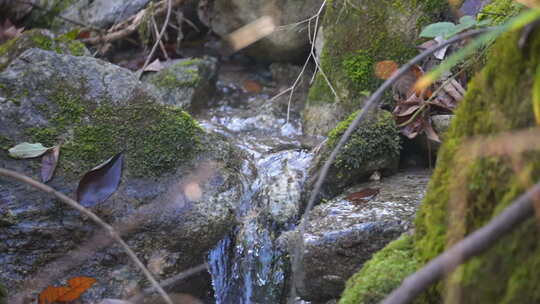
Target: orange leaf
point(77, 286)
point(51, 294)
point(252, 86)
point(385, 69)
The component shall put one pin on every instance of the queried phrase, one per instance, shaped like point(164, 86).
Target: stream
point(249, 266)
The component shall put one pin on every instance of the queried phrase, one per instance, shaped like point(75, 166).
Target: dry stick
point(370, 103)
point(476, 243)
point(182, 275)
point(73, 204)
point(158, 40)
point(127, 27)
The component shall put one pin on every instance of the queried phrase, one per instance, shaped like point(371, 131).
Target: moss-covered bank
point(357, 34)
point(382, 273)
point(465, 194)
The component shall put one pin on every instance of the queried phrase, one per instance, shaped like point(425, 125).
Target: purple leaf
point(100, 183)
point(48, 163)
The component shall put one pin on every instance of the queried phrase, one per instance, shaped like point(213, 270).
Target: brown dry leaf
point(385, 69)
point(9, 31)
point(530, 3)
point(252, 86)
point(77, 286)
point(363, 195)
point(48, 163)
point(155, 66)
point(101, 182)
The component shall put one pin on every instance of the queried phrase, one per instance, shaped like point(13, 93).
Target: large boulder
point(175, 202)
point(288, 43)
point(356, 35)
point(341, 235)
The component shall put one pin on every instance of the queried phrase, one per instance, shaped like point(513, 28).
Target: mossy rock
point(3, 294)
point(468, 190)
point(382, 273)
point(42, 39)
point(356, 35)
point(374, 146)
point(96, 110)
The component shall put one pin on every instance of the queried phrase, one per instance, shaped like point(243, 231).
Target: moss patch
point(375, 139)
point(184, 74)
point(38, 38)
point(500, 10)
point(464, 193)
point(157, 138)
point(382, 273)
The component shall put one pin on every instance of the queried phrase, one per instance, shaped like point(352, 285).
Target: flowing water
point(249, 266)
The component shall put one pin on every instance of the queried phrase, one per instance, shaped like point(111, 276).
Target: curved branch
point(73, 204)
point(474, 244)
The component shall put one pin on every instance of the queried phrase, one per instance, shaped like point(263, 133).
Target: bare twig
point(110, 230)
point(158, 39)
point(369, 105)
point(476, 243)
point(156, 32)
point(165, 283)
point(129, 26)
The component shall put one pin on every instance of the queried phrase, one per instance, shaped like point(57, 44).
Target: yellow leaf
point(530, 3)
point(424, 82)
point(536, 95)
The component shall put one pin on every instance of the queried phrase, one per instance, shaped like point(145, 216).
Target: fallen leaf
point(363, 195)
point(385, 69)
point(100, 183)
point(77, 286)
point(530, 3)
point(27, 150)
point(48, 163)
point(155, 66)
point(9, 31)
point(252, 86)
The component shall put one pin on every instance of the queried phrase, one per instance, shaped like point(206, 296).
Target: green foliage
point(449, 29)
point(382, 273)
point(499, 11)
point(497, 100)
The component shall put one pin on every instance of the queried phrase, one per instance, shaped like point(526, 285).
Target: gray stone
point(342, 235)
point(441, 123)
point(287, 43)
point(175, 202)
point(186, 83)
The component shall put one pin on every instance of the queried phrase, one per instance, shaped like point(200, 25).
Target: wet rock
point(96, 13)
point(441, 123)
point(342, 235)
point(286, 44)
point(175, 202)
point(374, 146)
point(43, 39)
point(186, 83)
point(383, 30)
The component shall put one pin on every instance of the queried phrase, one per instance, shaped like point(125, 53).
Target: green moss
point(500, 10)
point(157, 138)
point(465, 192)
point(177, 76)
point(5, 142)
point(377, 138)
point(382, 273)
point(45, 18)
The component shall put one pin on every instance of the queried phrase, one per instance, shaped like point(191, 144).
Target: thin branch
point(129, 26)
point(369, 105)
point(473, 245)
point(158, 40)
point(156, 32)
point(110, 230)
point(165, 283)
